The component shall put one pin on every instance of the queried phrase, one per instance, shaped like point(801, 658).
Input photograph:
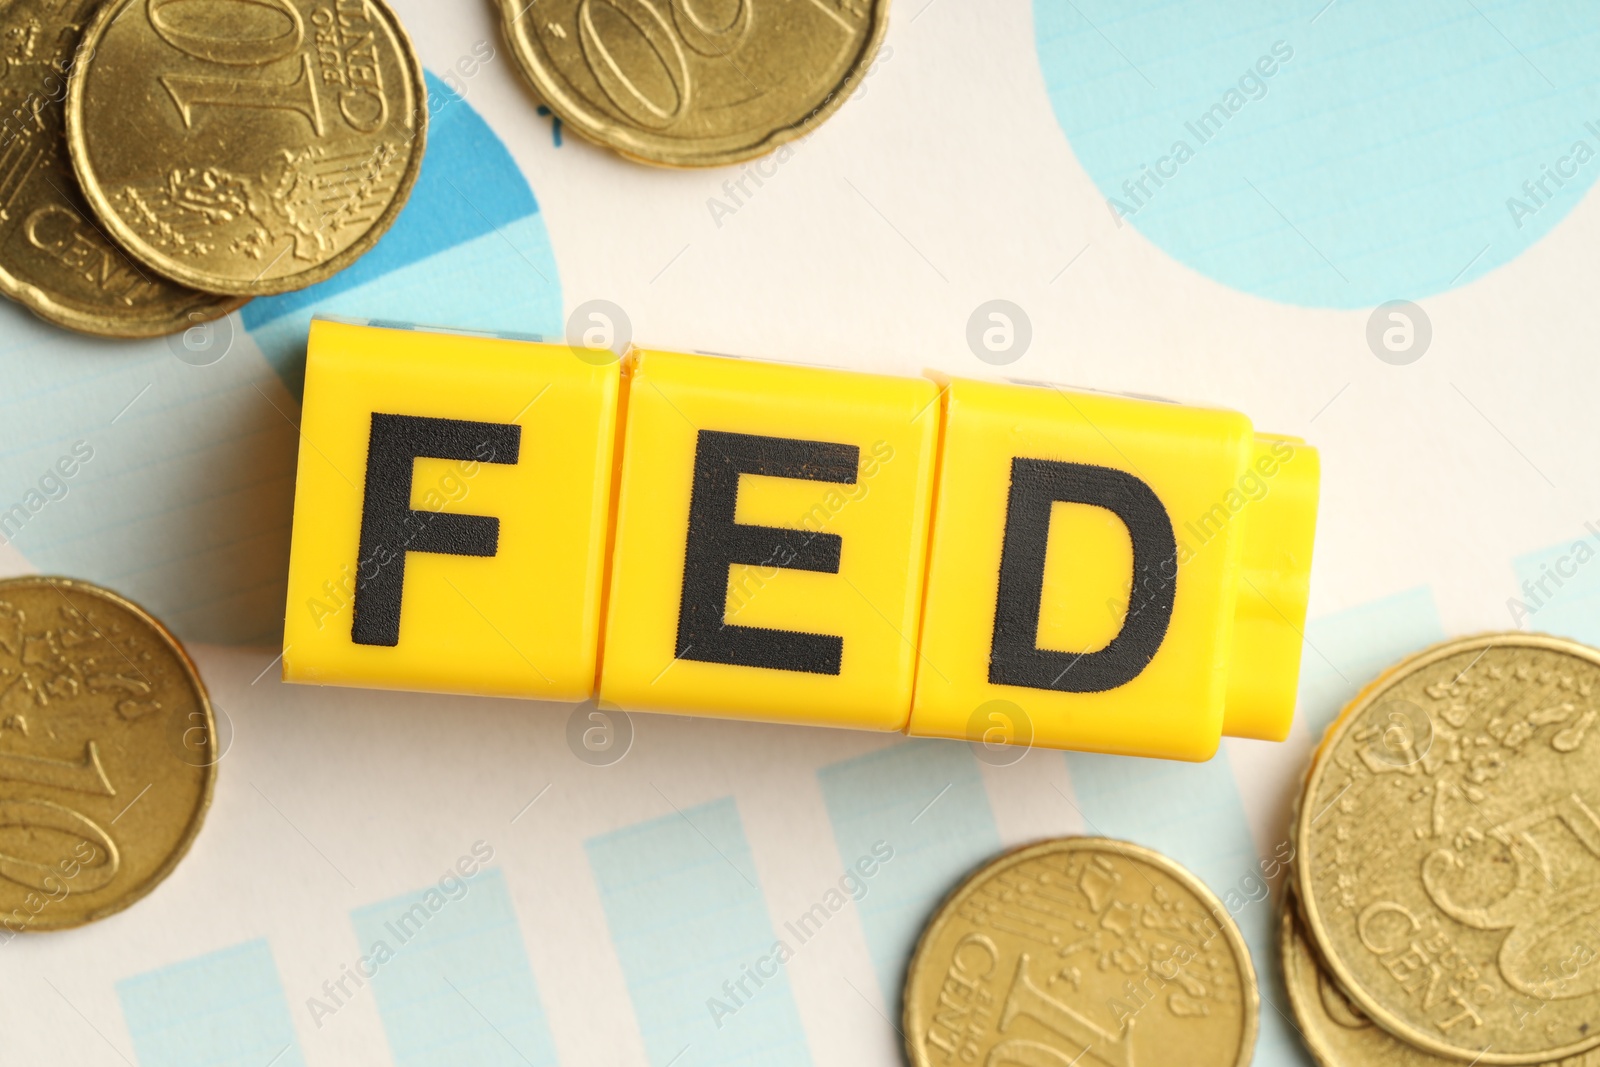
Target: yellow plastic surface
point(1199, 464)
point(523, 622)
point(873, 600)
point(1269, 624)
point(754, 540)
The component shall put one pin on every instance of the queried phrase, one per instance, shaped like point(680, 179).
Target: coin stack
point(162, 161)
point(1446, 903)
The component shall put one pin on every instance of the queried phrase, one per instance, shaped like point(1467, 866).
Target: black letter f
point(389, 526)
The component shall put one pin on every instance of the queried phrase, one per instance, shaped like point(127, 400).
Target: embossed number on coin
point(276, 139)
point(54, 259)
point(96, 808)
point(1453, 889)
point(1083, 951)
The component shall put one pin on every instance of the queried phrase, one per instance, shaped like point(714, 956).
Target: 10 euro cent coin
point(54, 259)
point(108, 754)
point(1081, 950)
point(246, 146)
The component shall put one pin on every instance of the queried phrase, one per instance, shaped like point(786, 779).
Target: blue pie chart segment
point(469, 251)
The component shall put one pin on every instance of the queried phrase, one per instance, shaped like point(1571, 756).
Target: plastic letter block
point(764, 541)
point(1127, 575)
point(771, 532)
point(450, 514)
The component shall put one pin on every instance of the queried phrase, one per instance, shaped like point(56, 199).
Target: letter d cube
point(1112, 574)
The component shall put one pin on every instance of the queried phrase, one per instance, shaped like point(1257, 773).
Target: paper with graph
point(1384, 245)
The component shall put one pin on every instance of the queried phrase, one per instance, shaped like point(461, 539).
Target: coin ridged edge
point(1302, 872)
point(32, 298)
point(38, 300)
point(192, 830)
point(127, 240)
point(1291, 927)
point(554, 97)
point(1249, 987)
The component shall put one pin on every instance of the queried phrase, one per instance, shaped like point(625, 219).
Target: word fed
point(716, 536)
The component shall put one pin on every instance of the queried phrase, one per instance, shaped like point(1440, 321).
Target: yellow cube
point(450, 516)
point(770, 537)
point(1124, 575)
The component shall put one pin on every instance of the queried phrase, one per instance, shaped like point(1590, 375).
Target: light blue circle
point(1333, 154)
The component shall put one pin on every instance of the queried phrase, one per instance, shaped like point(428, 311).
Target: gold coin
point(1339, 1034)
point(1449, 866)
point(1081, 951)
point(108, 752)
point(246, 146)
point(694, 83)
point(54, 260)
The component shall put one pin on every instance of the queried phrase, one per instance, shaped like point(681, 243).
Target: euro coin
point(1081, 950)
point(246, 146)
point(1449, 850)
point(54, 259)
point(694, 83)
point(1337, 1033)
point(108, 753)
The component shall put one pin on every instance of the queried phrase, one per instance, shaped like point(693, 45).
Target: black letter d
point(1015, 657)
